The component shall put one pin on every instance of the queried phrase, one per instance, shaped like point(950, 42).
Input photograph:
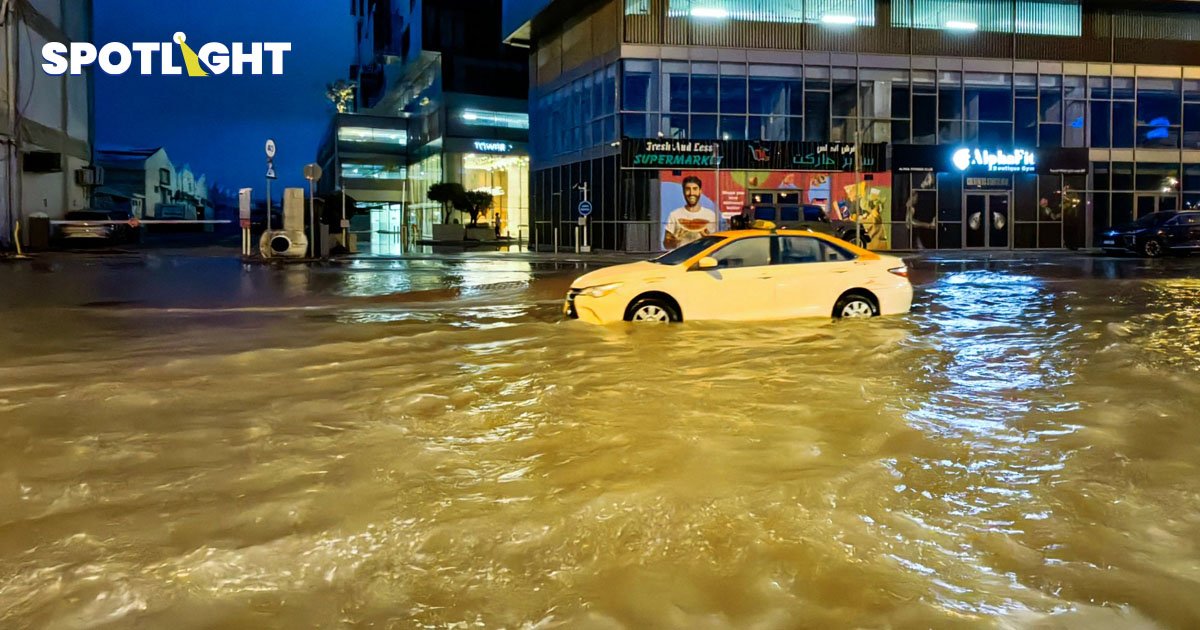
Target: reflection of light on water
point(1172, 322)
point(995, 368)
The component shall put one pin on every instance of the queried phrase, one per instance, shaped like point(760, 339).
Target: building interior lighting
point(959, 25)
point(839, 19)
point(710, 13)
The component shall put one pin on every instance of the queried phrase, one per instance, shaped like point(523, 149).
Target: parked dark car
point(87, 225)
point(813, 218)
point(1155, 235)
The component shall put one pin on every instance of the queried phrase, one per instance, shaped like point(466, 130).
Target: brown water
point(1023, 451)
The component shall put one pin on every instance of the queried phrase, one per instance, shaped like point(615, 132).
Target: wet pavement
point(420, 441)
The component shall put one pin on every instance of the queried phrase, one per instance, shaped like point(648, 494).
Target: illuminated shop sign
point(484, 146)
point(983, 162)
point(753, 155)
point(995, 161)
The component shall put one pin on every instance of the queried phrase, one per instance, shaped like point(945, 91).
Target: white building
point(46, 122)
point(144, 180)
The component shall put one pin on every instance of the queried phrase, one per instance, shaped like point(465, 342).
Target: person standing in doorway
point(691, 222)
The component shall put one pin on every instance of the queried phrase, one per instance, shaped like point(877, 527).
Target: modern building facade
point(46, 122)
point(937, 124)
point(448, 99)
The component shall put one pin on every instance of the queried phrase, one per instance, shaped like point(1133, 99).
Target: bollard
point(555, 241)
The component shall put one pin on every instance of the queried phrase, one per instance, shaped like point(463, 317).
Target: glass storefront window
point(733, 128)
point(816, 116)
point(1122, 175)
point(1100, 88)
point(675, 125)
point(1050, 96)
point(925, 126)
point(1076, 124)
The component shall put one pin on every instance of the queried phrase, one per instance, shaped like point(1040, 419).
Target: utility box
point(38, 232)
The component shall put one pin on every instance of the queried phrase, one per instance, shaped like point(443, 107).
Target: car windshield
point(1155, 219)
point(681, 255)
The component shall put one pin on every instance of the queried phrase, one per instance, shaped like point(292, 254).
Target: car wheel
point(855, 306)
point(653, 311)
point(1153, 249)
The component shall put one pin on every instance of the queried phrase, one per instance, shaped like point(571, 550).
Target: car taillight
point(899, 271)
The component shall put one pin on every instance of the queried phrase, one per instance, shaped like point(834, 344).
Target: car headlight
point(601, 290)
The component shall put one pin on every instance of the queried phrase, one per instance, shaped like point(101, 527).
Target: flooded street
point(423, 443)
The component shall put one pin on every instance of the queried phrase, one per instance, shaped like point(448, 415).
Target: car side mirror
point(708, 262)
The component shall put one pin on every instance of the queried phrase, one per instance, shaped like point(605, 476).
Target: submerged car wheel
point(1152, 248)
point(855, 306)
point(652, 311)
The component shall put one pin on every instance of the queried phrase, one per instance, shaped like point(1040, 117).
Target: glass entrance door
point(987, 220)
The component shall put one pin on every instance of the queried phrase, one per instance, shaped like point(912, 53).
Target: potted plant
point(449, 195)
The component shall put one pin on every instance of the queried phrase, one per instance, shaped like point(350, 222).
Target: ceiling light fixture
point(839, 19)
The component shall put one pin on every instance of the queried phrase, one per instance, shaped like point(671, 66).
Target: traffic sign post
point(270, 151)
point(312, 173)
point(585, 208)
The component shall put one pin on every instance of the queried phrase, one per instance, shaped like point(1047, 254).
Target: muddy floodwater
point(426, 444)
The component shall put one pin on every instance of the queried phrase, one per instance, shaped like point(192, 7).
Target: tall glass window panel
point(1026, 122)
point(901, 100)
point(1051, 135)
point(675, 125)
point(1122, 89)
point(950, 96)
point(995, 134)
point(1191, 126)
point(640, 86)
point(1191, 177)
point(950, 131)
point(1075, 129)
point(901, 132)
point(1051, 99)
point(776, 90)
point(1075, 88)
point(1191, 90)
point(635, 125)
point(678, 87)
point(705, 88)
point(1122, 208)
point(1122, 124)
point(987, 97)
point(1101, 122)
point(1025, 85)
point(795, 129)
point(733, 128)
point(816, 78)
point(1122, 176)
point(925, 124)
point(704, 128)
point(816, 116)
point(768, 128)
point(733, 89)
point(845, 97)
point(924, 82)
point(1101, 212)
point(1158, 113)
point(1100, 88)
point(1101, 177)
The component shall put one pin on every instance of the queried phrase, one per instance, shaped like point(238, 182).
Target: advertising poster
point(835, 192)
point(689, 209)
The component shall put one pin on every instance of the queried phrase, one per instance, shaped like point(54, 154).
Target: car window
point(833, 253)
point(813, 213)
point(794, 250)
point(746, 252)
point(789, 214)
point(764, 214)
point(1189, 219)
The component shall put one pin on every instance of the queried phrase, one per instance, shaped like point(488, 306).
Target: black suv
point(1155, 234)
point(813, 218)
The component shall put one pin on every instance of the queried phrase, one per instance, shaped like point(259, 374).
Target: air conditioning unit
point(290, 242)
point(89, 176)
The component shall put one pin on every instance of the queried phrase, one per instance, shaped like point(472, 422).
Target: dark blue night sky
point(219, 124)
